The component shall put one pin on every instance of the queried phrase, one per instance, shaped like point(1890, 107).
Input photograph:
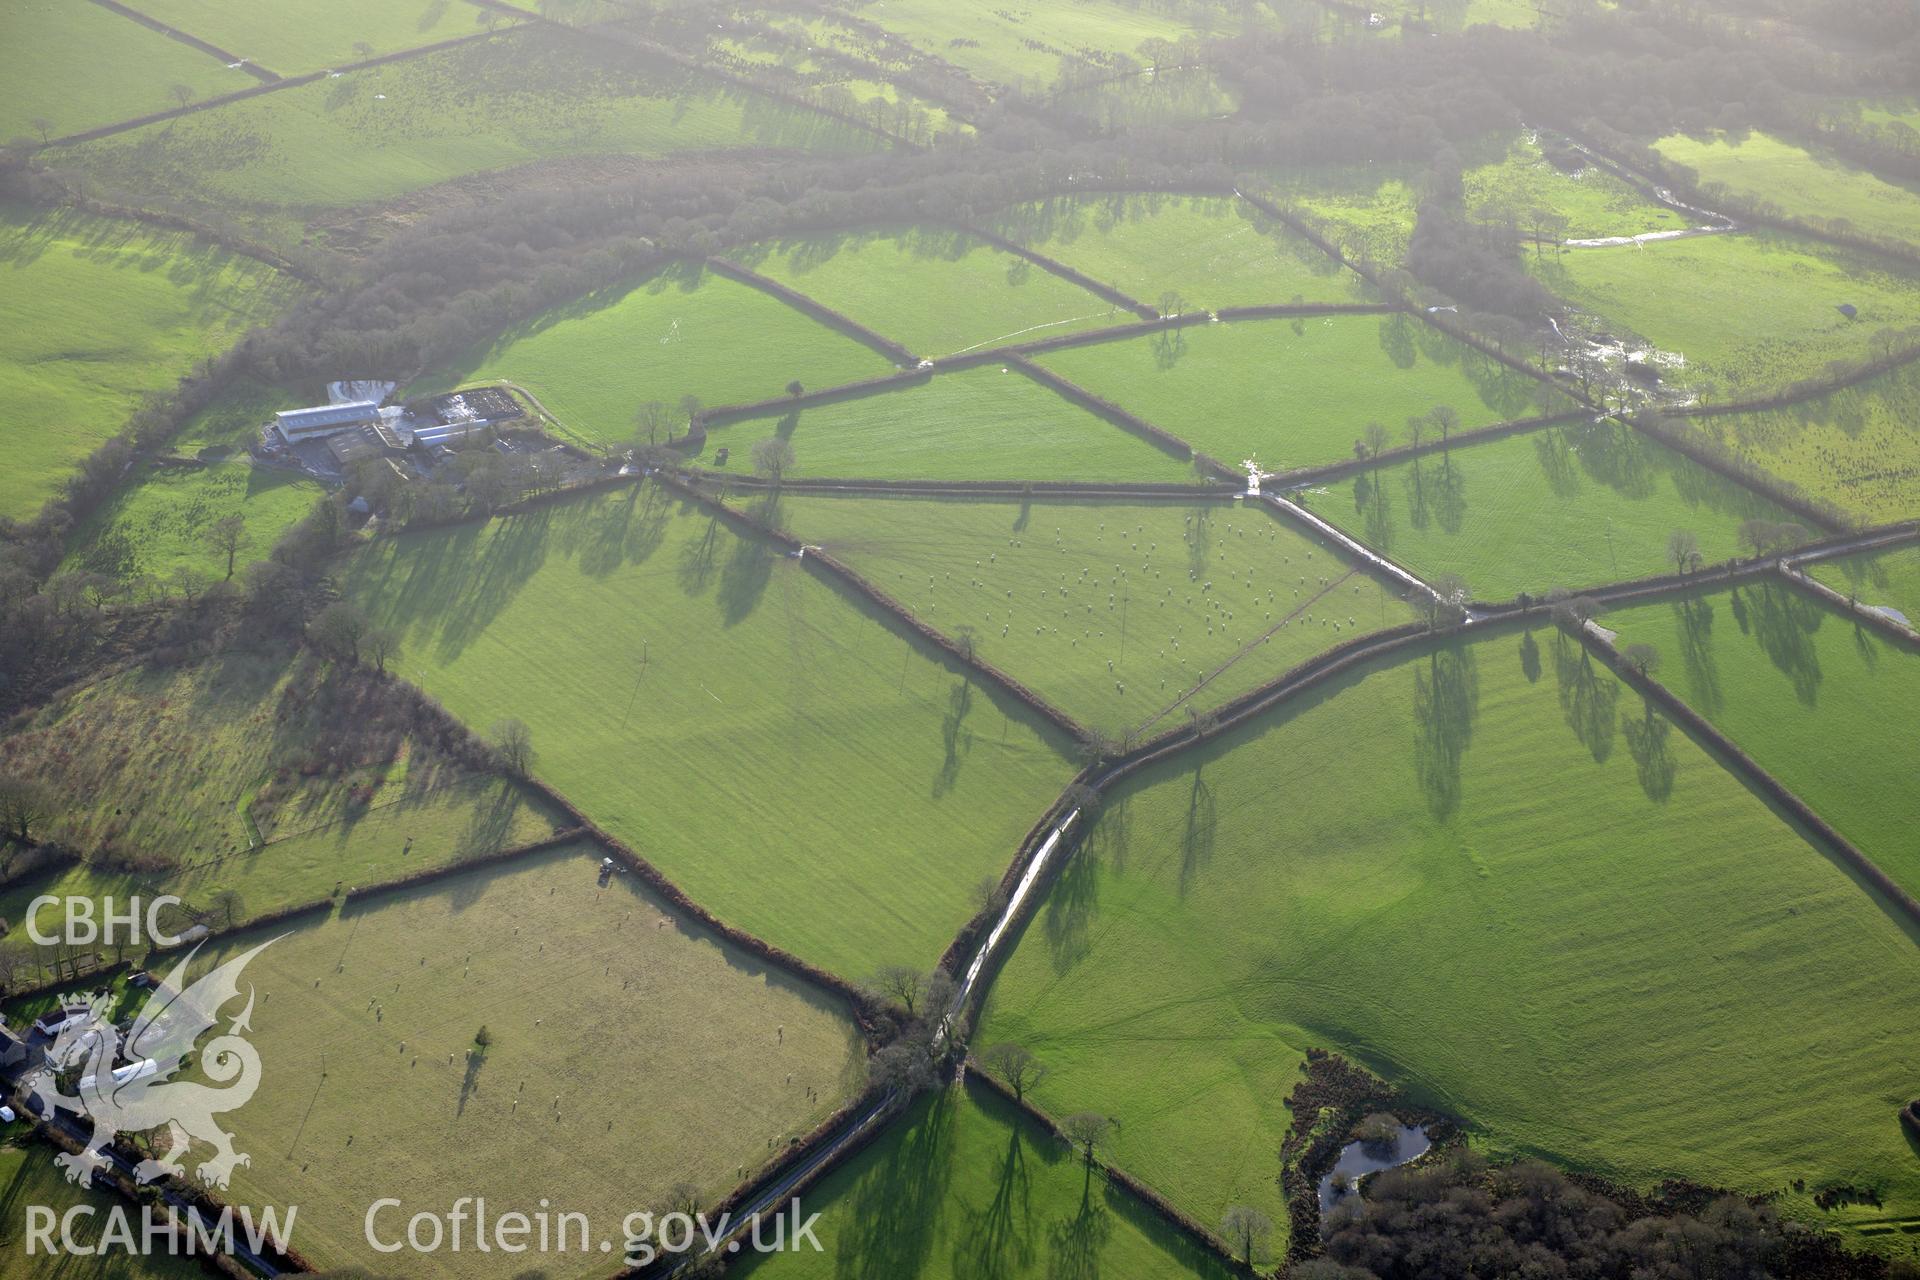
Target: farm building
point(366, 440)
point(320, 421)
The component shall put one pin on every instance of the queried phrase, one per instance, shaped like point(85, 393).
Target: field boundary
point(818, 310)
point(1002, 490)
point(1764, 484)
point(1053, 266)
point(192, 41)
point(239, 95)
point(839, 571)
point(977, 1076)
point(1103, 408)
point(1739, 763)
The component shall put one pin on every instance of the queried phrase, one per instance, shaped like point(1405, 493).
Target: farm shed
point(320, 421)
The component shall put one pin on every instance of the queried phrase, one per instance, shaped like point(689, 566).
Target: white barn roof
point(325, 417)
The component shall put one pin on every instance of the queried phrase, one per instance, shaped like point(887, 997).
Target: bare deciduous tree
point(1246, 1229)
point(225, 536)
point(1683, 548)
point(1016, 1065)
point(513, 743)
point(1643, 658)
point(1086, 1130)
point(773, 458)
point(901, 982)
point(25, 803)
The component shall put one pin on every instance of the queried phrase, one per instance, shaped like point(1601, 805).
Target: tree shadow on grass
point(1648, 743)
point(1396, 339)
point(996, 1242)
point(893, 1215)
point(1075, 1240)
point(955, 738)
point(1588, 697)
point(1694, 616)
point(1196, 838)
point(470, 1082)
point(1446, 701)
point(698, 559)
point(1071, 905)
point(1783, 623)
point(1530, 657)
point(1556, 462)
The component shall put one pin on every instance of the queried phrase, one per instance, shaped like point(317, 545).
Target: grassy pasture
point(691, 1063)
point(98, 313)
point(676, 333)
point(1858, 447)
point(1566, 506)
point(1889, 578)
point(1594, 202)
point(1362, 209)
point(1028, 44)
point(79, 66)
point(1684, 986)
point(790, 758)
point(986, 423)
point(965, 1186)
point(236, 773)
point(28, 1176)
point(160, 522)
point(884, 278)
point(1209, 252)
point(1750, 312)
point(1801, 183)
point(1123, 614)
point(373, 135)
point(1825, 705)
point(295, 36)
point(1296, 393)
point(235, 417)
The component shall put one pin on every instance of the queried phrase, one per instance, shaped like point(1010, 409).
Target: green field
point(78, 66)
point(690, 1064)
point(257, 771)
point(159, 524)
point(1858, 448)
point(380, 133)
point(674, 334)
point(28, 1176)
point(294, 36)
point(1887, 578)
point(1568, 506)
point(1750, 312)
point(1025, 45)
point(1125, 615)
point(97, 314)
point(1825, 705)
point(1364, 210)
point(1487, 874)
point(885, 279)
point(1208, 253)
point(1296, 393)
point(790, 758)
point(964, 1187)
point(987, 423)
point(1800, 183)
point(1594, 202)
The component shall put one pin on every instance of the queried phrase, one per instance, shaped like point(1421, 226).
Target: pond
point(1357, 1159)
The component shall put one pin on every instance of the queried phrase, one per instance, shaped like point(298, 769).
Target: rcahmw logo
point(123, 1085)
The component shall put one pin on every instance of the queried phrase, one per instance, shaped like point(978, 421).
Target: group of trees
point(1463, 1217)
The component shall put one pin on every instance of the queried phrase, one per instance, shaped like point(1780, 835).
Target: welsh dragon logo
point(127, 1087)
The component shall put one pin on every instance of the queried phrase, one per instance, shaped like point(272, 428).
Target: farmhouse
point(297, 425)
